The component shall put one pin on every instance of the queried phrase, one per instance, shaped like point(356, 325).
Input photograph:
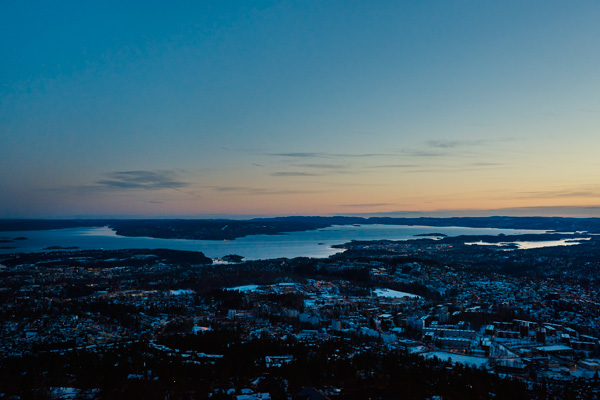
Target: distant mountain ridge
point(226, 229)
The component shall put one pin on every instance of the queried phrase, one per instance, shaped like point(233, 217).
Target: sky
point(239, 108)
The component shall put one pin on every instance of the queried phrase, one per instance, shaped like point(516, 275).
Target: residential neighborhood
point(389, 299)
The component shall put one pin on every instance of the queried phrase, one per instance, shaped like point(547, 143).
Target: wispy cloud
point(555, 211)
point(550, 194)
point(401, 166)
point(133, 181)
point(299, 155)
point(328, 155)
point(321, 166)
point(455, 149)
point(293, 173)
point(429, 156)
point(246, 190)
point(144, 180)
point(431, 167)
point(420, 153)
point(452, 144)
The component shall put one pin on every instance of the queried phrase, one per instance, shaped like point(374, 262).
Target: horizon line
point(544, 211)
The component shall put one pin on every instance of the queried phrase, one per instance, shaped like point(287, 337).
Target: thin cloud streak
point(329, 155)
point(554, 211)
point(432, 149)
point(452, 144)
point(245, 190)
point(594, 193)
point(321, 166)
point(294, 174)
point(401, 166)
point(144, 180)
point(130, 182)
point(421, 168)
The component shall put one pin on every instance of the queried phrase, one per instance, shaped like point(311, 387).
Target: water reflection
point(316, 243)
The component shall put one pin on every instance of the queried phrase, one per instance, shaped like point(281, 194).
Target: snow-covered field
point(245, 288)
point(393, 293)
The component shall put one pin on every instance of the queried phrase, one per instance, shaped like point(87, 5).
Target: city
point(181, 325)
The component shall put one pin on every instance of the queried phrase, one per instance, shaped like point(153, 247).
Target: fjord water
point(314, 243)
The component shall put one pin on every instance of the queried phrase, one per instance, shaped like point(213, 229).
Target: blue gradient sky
point(259, 108)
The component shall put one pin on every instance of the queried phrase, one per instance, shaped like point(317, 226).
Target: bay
point(315, 243)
